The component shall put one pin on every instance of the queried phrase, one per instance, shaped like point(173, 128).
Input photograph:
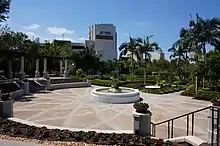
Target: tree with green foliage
point(146, 47)
point(132, 47)
point(4, 9)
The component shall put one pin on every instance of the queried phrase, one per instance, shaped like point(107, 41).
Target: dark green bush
point(188, 92)
point(139, 72)
point(105, 77)
point(207, 95)
point(99, 82)
point(132, 84)
point(79, 72)
point(123, 77)
point(92, 77)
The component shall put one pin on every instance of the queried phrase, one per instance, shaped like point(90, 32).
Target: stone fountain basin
point(128, 95)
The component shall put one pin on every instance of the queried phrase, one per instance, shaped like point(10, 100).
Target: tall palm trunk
point(145, 67)
point(132, 65)
point(186, 62)
point(204, 48)
point(204, 52)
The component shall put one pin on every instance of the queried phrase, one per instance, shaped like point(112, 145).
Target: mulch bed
point(22, 132)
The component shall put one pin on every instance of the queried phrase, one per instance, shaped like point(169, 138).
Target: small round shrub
point(79, 72)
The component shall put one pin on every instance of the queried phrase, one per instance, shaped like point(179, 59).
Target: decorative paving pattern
point(72, 108)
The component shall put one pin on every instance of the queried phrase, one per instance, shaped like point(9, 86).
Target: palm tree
point(130, 47)
point(177, 52)
point(146, 48)
point(204, 31)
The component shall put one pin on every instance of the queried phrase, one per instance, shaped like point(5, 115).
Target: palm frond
point(123, 46)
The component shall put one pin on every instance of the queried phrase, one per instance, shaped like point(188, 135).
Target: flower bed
point(16, 129)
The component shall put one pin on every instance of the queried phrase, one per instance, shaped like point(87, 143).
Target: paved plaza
point(73, 108)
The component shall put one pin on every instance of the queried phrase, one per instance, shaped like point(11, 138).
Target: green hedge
point(101, 82)
point(206, 95)
point(189, 92)
point(202, 94)
point(134, 84)
point(164, 90)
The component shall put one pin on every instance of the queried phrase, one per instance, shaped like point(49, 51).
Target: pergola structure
point(10, 54)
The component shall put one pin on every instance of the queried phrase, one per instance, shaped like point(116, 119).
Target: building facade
point(104, 37)
point(101, 37)
point(157, 55)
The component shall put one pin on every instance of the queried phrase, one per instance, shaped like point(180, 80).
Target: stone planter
point(142, 123)
point(6, 109)
point(142, 109)
point(215, 103)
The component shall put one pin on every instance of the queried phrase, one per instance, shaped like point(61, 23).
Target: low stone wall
point(70, 85)
point(17, 93)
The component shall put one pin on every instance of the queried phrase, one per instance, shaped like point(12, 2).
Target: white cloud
point(32, 27)
point(31, 34)
point(59, 31)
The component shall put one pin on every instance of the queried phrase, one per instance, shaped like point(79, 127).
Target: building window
point(104, 37)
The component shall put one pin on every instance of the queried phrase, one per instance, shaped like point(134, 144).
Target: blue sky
point(48, 19)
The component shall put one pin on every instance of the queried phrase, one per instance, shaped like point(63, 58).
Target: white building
point(104, 37)
point(156, 55)
point(101, 37)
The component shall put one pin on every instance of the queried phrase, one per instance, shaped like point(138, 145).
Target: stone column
point(142, 123)
point(45, 74)
point(22, 73)
point(65, 71)
point(61, 67)
point(10, 73)
point(37, 73)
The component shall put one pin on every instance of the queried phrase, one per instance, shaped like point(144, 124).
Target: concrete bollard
point(65, 74)
point(142, 123)
point(26, 88)
point(6, 109)
point(89, 82)
point(48, 84)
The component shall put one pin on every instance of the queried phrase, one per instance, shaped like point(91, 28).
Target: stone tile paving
point(73, 108)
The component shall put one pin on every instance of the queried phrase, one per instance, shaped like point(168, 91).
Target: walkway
point(14, 143)
point(72, 108)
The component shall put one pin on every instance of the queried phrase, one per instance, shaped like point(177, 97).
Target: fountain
point(114, 94)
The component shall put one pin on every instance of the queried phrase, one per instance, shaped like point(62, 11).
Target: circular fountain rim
point(115, 98)
point(133, 91)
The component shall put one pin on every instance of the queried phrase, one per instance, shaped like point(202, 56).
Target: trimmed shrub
point(79, 72)
point(123, 77)
point(102, 82)
point(188, 92)
point(164, 90)
point(139, 72)
point(92, 77)
point(207, 95)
